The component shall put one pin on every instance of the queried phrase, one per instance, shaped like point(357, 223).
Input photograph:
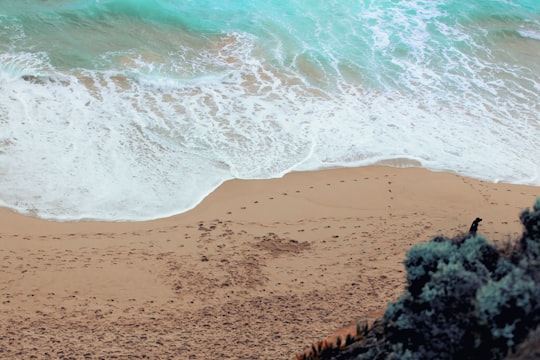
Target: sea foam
point(111, 110)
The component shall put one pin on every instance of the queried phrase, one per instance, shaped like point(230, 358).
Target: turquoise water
point(131, 110)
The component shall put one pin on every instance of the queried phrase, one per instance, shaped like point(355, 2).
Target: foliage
point(434, 318)
point(530, 241)
point(465, 299)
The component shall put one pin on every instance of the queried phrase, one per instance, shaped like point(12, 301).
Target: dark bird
point(474, 226)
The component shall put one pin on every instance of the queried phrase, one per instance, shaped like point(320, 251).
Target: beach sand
point(259, 270)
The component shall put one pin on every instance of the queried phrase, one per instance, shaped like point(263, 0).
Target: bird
point(474, 226)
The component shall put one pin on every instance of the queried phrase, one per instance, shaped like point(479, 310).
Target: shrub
point(433, 318)
point(530, 241)
point(465, 299)
point(506, 311)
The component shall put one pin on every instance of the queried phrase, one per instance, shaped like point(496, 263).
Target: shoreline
point(233, 192)
point(395, 163)
point(265, 266)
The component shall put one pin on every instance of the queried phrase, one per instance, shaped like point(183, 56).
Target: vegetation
point(465, 299)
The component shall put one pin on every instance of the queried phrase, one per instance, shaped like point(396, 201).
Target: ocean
point(138, 109)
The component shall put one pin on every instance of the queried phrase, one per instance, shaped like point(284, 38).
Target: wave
point(127, 110)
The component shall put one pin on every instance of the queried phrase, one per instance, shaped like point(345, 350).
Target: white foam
point(155, 134)
point(529, 33)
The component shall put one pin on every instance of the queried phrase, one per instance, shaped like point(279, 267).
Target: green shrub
point(506, 310)
point(530, 241)
point(433, 318)
point(465, 299)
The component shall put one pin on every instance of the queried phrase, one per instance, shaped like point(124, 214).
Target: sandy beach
point(259, 270)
